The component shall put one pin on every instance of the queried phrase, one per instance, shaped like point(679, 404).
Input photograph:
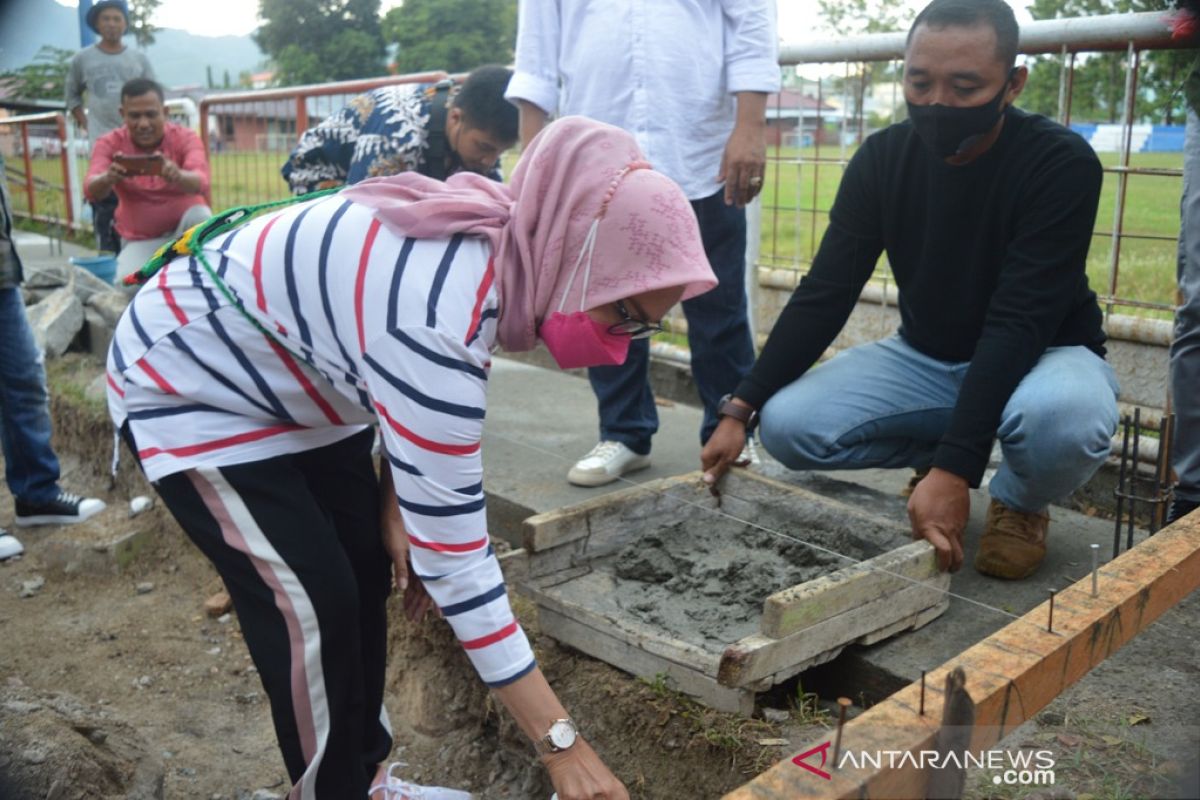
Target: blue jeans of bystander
point(885, 404)
point(31, 468)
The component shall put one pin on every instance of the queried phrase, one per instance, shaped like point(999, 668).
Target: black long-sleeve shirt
point(989, 259)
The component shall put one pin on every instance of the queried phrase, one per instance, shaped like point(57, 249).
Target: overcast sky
point(797, 18)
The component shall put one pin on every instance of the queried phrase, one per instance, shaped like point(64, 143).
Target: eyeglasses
point(631, 326)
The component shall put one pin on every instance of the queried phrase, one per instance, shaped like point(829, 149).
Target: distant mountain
point(179, 58)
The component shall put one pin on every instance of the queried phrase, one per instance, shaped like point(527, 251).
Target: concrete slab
point(539, 423)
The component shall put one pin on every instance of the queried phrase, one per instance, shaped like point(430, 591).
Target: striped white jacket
point(365, 326)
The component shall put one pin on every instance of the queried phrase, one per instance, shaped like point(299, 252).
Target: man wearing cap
point(101, 70)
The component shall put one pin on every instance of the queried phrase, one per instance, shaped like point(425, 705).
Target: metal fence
point(248, 135)
point(813, 134)
point(46, 157)
point(39, 167)
point(813, 138)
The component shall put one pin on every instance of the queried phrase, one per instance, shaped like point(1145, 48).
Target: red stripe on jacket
point(441, 547)
point(218, 444)
point(361, 280)
point(169, 296)
point(481, 295)
point(260, 293)
point(427, 444)
point(483, 641)
point(304, 382)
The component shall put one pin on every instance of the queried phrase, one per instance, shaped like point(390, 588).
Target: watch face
point(562, 734)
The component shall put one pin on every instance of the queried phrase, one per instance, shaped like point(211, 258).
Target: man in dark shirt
point(986, 214)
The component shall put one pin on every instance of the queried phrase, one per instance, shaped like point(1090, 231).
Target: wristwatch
point(561, 736)
point(727, 408)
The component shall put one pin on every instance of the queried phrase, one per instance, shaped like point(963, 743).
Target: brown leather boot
point(1013, 542)
point(917, 476)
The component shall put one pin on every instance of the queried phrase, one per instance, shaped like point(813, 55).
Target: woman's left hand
point(417, 601)
point(579, 774)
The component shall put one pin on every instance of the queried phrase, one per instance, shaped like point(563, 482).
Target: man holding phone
point(158, 170)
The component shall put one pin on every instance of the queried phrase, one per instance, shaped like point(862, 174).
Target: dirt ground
point(133, 644)
point(118, 646)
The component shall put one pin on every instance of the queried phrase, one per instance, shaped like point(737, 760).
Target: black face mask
point(947, 130)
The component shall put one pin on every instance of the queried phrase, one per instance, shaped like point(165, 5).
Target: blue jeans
point(30, 466)
point(718, 335)
point(1185, 349)
point(885, 404)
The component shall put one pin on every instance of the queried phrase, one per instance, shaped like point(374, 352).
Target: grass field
point(799, 193)
point(791, 227)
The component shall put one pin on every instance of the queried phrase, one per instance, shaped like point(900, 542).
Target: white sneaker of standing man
point(9, 546)
point(605, 463)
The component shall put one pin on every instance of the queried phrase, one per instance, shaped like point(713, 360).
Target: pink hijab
point(646, 239)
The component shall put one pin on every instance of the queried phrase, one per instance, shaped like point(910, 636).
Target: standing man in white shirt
point(689, 79)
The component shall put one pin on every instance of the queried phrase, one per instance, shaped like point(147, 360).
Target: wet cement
point(706, 582)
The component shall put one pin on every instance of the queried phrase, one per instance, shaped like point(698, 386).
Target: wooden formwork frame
point(1011, 675)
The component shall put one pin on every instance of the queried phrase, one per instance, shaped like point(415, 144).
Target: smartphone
point(151, 164)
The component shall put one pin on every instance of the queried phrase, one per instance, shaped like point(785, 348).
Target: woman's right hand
point(579, 774)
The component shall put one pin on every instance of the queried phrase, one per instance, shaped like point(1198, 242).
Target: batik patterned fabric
point(364, 326)
point(382, 132)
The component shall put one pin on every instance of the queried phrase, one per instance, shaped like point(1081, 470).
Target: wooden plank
point(603, 516)
point(600, 644)
point(1011, 675)
point(640, 636)
point(756, 657)
point(798, 607)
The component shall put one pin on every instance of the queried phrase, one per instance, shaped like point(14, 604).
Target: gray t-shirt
point(102, 75)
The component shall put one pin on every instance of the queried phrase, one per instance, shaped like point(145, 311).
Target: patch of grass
point(806, 709)
point(800, 189)
point(732, 736)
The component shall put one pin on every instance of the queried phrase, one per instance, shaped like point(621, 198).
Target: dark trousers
point(296, 539)
point(104, 221)
point(718, 335)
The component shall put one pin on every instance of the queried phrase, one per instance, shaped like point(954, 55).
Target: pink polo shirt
point(151, 207)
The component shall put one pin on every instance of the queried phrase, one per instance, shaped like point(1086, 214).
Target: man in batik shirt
point(435, 129)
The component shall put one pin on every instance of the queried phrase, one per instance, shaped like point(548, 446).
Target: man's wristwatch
point(727, 408)
point(561, 736)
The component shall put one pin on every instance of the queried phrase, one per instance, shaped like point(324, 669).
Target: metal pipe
point(312, 90)
point(29, 193)
point(1131, 68)
point(1133, 475)
point(1105, 32)
point(1120, 490)
point(64, 156)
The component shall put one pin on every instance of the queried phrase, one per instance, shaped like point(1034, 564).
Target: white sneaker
point(393, 788)
point(9, 546)
point(749, 455)
point(607, 462)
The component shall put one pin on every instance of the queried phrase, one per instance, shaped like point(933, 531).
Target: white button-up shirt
point(664, 70)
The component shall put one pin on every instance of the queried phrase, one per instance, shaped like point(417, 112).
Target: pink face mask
point(576, 340)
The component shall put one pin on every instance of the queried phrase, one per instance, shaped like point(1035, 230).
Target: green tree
point(451, 35)
point(854, 17)
point(315, 41)
point(43, 78)
point(140, 26)
point(1098, 86)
